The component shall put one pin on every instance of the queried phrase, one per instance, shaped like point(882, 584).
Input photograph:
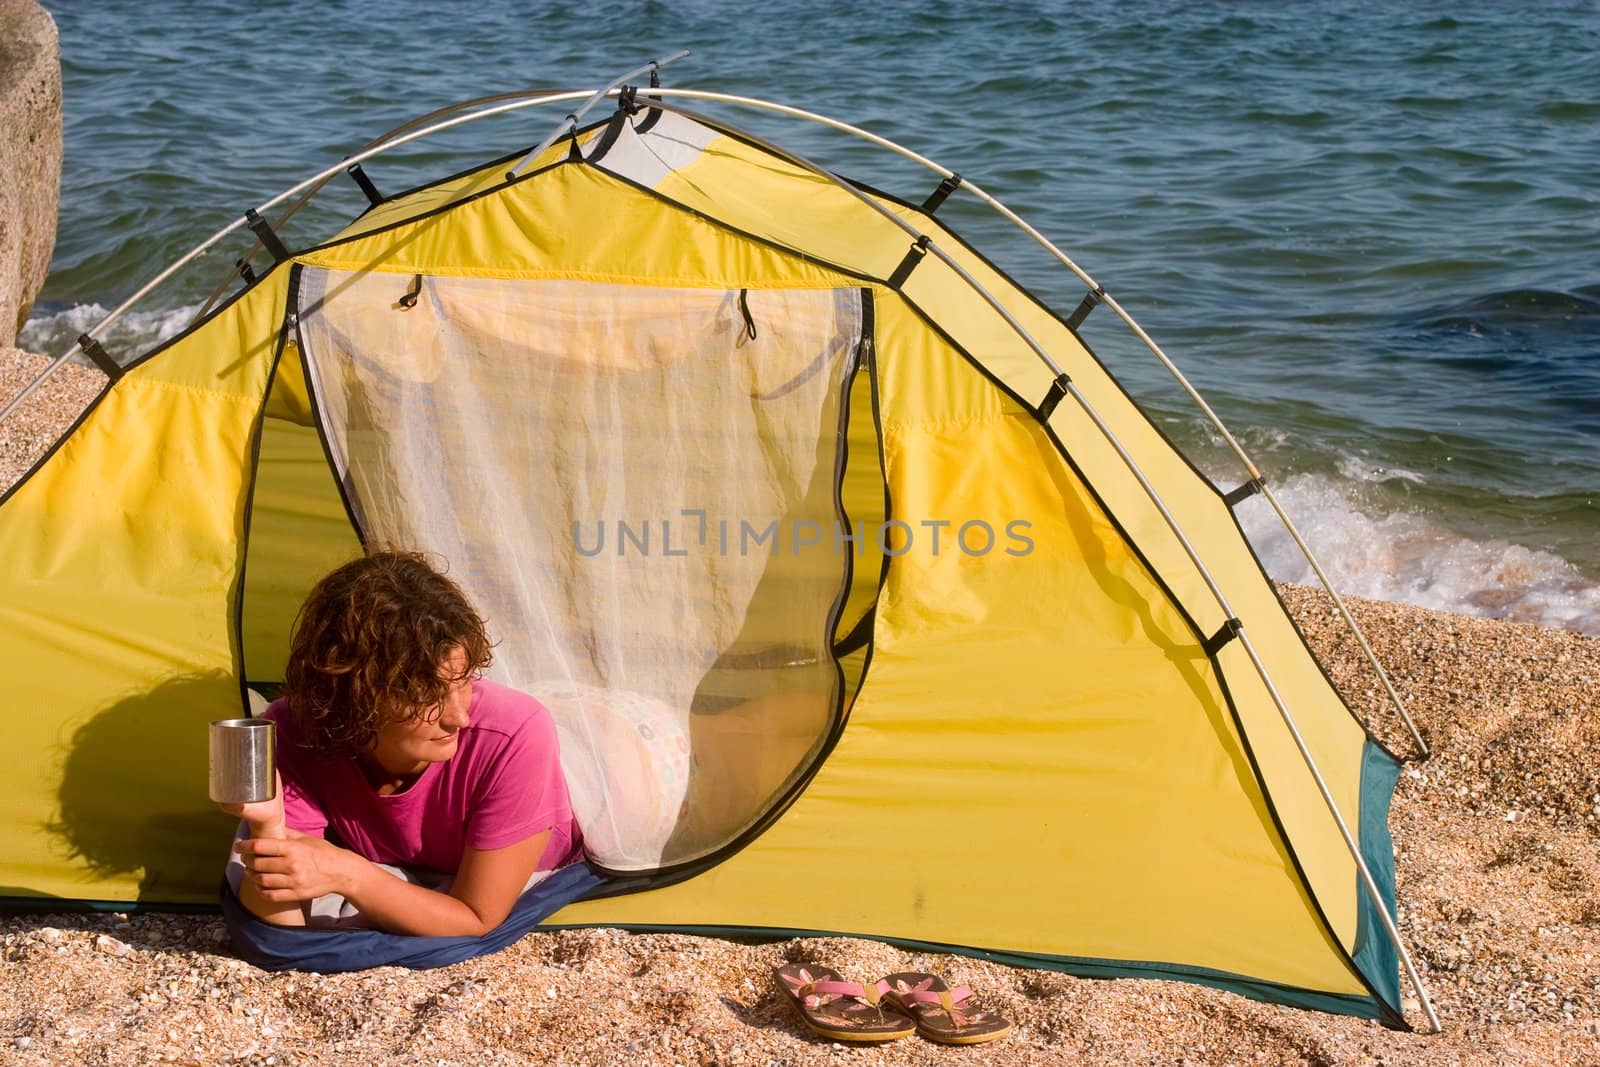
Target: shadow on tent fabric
point(133, 797)
point(1188, 658)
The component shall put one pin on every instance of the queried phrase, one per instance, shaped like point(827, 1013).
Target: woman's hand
point(265, 817)
point(298, 867)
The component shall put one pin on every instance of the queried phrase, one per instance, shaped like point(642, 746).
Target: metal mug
point(244, 760)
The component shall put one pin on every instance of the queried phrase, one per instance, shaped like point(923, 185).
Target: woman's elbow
point(482, 924)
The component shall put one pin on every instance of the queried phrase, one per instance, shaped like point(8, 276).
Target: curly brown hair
point(370, 646)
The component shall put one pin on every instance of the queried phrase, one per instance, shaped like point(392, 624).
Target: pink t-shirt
point(503, 785)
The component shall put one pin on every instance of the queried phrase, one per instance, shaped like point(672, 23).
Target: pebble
point(111, 946)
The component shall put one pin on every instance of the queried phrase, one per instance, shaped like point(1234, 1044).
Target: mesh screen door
point(638, 487)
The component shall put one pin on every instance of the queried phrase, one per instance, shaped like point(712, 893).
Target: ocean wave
point(1410, 558)
point(52, 333)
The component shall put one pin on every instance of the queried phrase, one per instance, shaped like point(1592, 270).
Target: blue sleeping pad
point(293, 948)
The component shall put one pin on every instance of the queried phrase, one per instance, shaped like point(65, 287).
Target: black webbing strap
point(1243, 493)
point(246, 271)
point(361, 179)
point(909, 264)
point(1058, 389)
point(941, 194)
point(1088, 304)
point(652, 116)
point(408, 299)
point(99, 356)
point(609, 135)
point(1228, 632)
point(264, 234)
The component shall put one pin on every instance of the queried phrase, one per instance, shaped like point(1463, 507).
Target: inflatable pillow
point(626, 760)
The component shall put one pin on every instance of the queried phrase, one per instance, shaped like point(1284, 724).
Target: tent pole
point(1368, 882)
point(421, 120)
point(37, 381)
point(98, 329)
point(1233, 443)
point(1137, 330)
point(590, 96)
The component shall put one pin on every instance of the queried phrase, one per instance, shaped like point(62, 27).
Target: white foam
point(133, 333)
point(1412, 559)
point(1361, 471)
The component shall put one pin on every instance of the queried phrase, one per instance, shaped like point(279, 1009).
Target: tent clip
point(1227, 632)
point(628, 100)
point(264, 234)
point(907, 265)
point(1089, 303)
point(939, 195)
point(361, 179)
point(1243, 493)
point(100, 357)
point(574, 153)
point(246, 271)
point(1058, 390)
point(749, 321)
point(413, 291)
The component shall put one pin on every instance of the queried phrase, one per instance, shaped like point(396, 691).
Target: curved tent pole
point(1138, 331)
point(652, 68)
point(1238, 450)
point(1366, 876)
point(315, 182)
point(306, 197)
point(1368, 882)
point(321, 176)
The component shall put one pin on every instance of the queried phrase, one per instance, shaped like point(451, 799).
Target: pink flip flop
point(840, 1010)
point(948, 1016)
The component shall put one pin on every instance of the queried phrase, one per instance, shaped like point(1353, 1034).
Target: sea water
point(1369, 233)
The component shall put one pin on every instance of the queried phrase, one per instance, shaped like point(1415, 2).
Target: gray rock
point(30, 156)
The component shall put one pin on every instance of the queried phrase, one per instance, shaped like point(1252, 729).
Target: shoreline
point(1498, 881)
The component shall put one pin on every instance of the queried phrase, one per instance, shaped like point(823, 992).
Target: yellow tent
point(903, 618)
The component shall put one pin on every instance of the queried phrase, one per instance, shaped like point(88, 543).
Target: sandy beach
point(1498, 881)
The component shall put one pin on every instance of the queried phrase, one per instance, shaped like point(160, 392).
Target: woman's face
point(405, 748)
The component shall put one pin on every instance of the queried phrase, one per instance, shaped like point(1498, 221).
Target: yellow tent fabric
point(1035, 754)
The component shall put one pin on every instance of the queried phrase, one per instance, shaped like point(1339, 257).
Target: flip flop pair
point(888, 1009)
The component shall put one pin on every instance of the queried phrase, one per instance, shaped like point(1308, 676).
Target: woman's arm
point(298, 868)
point(486, 887)
point(266, 820)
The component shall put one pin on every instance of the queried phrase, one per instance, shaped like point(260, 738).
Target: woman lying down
point(443, 791)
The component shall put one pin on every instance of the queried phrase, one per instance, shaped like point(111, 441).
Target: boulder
point(30, 156)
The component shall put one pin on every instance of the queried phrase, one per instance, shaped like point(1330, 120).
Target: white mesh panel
point(558, 442)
